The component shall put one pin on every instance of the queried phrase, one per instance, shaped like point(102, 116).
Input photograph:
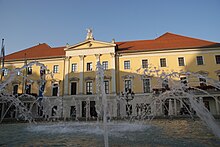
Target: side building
point(135, 74)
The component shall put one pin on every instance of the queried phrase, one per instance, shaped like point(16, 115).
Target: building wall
point(135, 72)
point(35, 76)
point(171, 57)
point(93, 51)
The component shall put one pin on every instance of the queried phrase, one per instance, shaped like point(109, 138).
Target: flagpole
point(2, 58)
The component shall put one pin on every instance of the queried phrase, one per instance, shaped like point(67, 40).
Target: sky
point(26, 23)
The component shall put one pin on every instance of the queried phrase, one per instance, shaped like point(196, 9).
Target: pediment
point(74, 79)
point(90, 44)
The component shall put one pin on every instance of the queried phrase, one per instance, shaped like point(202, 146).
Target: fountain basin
point(158, 133)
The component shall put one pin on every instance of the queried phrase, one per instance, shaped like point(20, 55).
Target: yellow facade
point(73, 68)
point(135, 70)
point(171, 57)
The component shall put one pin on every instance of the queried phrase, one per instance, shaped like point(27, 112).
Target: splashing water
point(101, 93)
point(179, 90)
point(176, 91)
point(14, 100)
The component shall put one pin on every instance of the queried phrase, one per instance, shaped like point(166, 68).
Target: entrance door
point(55, 90)
point(83, 108)
point(73, 88)
point(73, 112)
point(15, 90)
point(93, 112)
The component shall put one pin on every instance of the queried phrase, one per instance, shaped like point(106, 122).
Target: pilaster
point(66, 75)
point(81, 74)
point(113, 73)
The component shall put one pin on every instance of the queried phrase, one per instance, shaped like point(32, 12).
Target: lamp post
point(128, 96)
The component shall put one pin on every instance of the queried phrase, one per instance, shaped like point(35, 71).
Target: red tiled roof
point(164, 42)
point(38, 51)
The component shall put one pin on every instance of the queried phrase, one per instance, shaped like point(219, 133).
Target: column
point(161, 108)
point(113, 73)
point(217, 105)
point(175, 107)
point(97, 56)
point(81, 70)
point(78, 109)
point(66, 75)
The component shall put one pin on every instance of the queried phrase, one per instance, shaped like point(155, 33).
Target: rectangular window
point(84, 108)
point(181, 61)
point(73, 88)
point(106, 87)
point(128, 109)
point(73, 111)
point(145, 63)
point(89, 66)
point(127, 85)
point(89, 87)
point(5, 72)
point(163, 62)
point(18, 73)
point(165, 84)
point(202, 82)
point(217, 59)
point(54, 111)
point(28, 89)
point(146, 85)
point(40, 110)
point(183, 81)
point(15, 89)
point(29, 70)
point(42, 71)
point(55, 68)
point(74, 67)
point(55, 89)
point(93, 112)
point(105, 65)
point(126, 64)
point(199, 60)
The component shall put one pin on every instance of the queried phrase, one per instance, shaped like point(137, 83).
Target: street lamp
point(128, 96)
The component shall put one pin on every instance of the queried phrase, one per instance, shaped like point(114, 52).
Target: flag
point(2, 61)
point(3, 56)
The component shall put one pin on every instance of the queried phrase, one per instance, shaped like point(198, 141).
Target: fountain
point(180, 89)
point(136, 132)
point(14, 100)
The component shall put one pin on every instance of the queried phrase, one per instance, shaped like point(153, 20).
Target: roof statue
point(89, 34)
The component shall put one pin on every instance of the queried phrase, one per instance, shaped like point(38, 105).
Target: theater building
point(70, 77)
